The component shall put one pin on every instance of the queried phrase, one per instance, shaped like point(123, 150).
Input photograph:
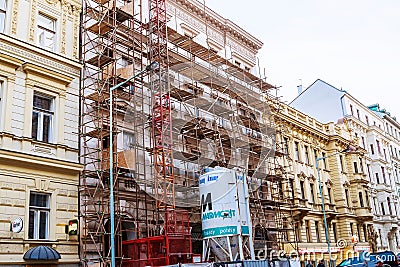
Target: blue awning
point(42, 253)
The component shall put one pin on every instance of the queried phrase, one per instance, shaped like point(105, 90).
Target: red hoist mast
point(174, 245)
point(161, 108)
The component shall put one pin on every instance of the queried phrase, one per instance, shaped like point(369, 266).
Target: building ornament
point(32, 22)
point(14, 18)
point(51, 10)
point(39, 59)
point(65, 8)
point(222, 25)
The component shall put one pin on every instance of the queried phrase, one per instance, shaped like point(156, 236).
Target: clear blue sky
point(351, 44)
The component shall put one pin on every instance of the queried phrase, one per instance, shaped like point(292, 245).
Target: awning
point(42, 253)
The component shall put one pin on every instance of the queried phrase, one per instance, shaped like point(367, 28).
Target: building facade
point(342, 181)
point(39, 112)
point(370, 131)
point(391, 129)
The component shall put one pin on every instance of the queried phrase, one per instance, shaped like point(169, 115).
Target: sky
point(353, 45)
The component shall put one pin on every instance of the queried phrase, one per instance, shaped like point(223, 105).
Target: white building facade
point(329, 104)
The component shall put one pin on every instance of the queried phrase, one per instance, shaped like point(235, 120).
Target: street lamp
point(153, 66)
point(350, 148)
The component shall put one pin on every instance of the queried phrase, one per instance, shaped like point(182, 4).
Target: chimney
point(299, 89)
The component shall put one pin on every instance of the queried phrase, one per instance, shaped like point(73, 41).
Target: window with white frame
point(3, 15)
point(42, 117)
point(39, 213)
point(46, 32)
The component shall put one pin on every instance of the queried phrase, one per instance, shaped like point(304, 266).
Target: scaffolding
point(199, 110)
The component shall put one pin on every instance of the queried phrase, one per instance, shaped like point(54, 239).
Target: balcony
point(363, 213)
point(384, 188)
point(359, 178)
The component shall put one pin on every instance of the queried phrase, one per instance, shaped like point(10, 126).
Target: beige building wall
point(39, 109)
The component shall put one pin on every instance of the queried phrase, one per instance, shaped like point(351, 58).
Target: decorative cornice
point(36, 160)
point(197, 8)
point(10, 61)
point(49, 74)
point(28, 53)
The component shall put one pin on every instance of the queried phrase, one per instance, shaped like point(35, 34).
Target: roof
point(42, 253)
point(319, 81)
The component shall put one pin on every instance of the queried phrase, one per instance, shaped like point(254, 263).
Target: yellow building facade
point(39, 115)
point(344, 184)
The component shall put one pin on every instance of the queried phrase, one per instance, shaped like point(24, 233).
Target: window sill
point(39, 241)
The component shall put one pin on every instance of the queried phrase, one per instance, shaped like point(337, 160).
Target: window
point(346, 192)
point(365, 232)
point(367, 120)
point(39, 209)
point(286, 144)
point(360, 197)
point(334, 227)
point(358, 114)
point(42, 118)
point(383, 174)
point(312, 193)
point(324, 159)
point(377, 178)
point(351, 110)
point(372, 149)
point(330, 195)
point(296, 151)
point(389, 206)
point(3, 11)
point(317, 231)
point(308, 231)
point(383, 209)
point(291, 188)
point(369, 171)
point(280, 190)
point(46, 32)
point(363, 141)
point(315, 155)
point(307, 156)
point(378, 146)
point(367, 204)
point(351, 229)
point(361, 165)
point(355, 167)
point(302, 190)
point(341, 163)
point(297, 229)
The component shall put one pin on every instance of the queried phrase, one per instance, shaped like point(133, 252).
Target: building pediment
point(46, 78)
point(9, 64)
